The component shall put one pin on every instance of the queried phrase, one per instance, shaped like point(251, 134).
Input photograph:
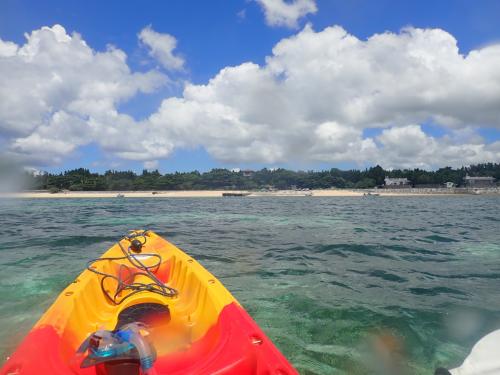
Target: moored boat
point(235, 194)
point(146, 307)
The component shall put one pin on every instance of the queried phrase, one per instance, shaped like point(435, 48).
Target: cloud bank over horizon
point(321, 96)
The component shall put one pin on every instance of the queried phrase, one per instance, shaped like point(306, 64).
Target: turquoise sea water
point(326, 278)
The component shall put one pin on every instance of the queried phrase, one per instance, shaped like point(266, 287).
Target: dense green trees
point(83, 180)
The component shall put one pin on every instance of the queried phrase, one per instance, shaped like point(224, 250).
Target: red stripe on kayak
point(235, 345)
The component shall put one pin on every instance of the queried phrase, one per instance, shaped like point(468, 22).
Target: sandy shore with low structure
point(218, 193)
point(118, 194)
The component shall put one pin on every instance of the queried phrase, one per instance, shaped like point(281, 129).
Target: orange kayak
point(146, 307)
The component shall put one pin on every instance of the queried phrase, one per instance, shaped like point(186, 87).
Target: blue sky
point(215, 34)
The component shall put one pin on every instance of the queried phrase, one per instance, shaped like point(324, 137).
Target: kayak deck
point(201, 330)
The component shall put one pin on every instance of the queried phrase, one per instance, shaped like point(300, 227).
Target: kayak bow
point(144, 307)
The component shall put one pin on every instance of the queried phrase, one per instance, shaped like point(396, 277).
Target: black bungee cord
point(123, 284)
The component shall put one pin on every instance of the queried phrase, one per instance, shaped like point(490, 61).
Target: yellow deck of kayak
point(82, 308)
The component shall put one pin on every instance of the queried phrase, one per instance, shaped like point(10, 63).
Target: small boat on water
point(120, 195)
point(235, 194)
point(146, 307)
point(370, 194)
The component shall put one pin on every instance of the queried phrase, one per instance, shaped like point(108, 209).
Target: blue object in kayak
point(124, 343)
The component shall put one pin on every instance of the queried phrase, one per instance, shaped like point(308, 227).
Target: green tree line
point(83, 180)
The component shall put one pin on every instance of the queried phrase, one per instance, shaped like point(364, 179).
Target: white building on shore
point(396, 182)
point(479, 182)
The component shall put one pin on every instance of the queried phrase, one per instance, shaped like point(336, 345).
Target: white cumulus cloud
point(410, 147)
point(161, 47)
point(286, 13)
point(56, 94)
point(318, 91)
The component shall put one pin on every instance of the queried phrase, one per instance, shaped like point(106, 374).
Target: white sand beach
point(218, 193)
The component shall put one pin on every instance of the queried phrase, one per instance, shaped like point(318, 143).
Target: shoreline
point(250, 194)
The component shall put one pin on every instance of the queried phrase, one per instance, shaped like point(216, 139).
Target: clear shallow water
point(322, 276)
